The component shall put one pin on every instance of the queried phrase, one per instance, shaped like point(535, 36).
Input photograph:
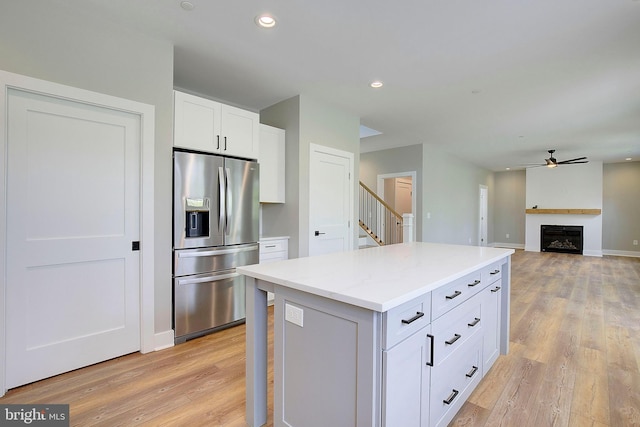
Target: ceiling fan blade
point(573, 163)
point(572, 160)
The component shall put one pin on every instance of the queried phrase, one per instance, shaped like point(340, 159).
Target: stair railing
point(378, 219)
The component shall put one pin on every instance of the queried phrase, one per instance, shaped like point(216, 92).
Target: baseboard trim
point(164, 340)
point(632, 254)
point(508, 245)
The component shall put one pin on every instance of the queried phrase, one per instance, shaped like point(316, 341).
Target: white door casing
point(330, 200)
point(57, 285)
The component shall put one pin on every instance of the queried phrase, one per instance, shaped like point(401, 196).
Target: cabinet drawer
point(404, 320)
point(453, 382)
point(454, 329)
point(272, 257)
point(492, 273)
point(273, 246)
point(456, 292)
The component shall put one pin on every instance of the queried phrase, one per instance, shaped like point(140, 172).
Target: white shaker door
point(331, 201)
point(73, 281)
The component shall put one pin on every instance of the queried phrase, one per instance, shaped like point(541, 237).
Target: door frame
point(316, 148)
point(413, 175)
point(147, 142)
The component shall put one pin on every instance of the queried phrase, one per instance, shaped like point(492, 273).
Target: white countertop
point(378, 278)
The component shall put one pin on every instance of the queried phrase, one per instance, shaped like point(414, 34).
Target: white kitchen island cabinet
point(398, 335)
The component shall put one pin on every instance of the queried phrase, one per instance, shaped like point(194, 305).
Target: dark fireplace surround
point(561, 238)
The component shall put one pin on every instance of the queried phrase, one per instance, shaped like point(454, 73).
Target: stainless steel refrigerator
point(215, 230)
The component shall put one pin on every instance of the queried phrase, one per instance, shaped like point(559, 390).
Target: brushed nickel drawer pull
point(496, 289)
point(455, 294)
point(455, 338)
point(474, 323)
point(475, 282)
point(472, 372)
point(496, 271)
point(418, 315)
point(452, 396)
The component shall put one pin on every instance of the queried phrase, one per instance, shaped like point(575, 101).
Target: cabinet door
point(491, 317)
point(406, 381)
point(240, 132)
point(271, 159)
point(196, 123)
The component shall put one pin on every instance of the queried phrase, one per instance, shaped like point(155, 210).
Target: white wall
point(565, 187)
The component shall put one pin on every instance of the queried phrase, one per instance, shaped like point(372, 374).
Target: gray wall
point(509, 206)
point(451, 196)
point(306, 121)
point(55, 42)
point(621, 206)
point(403, 159)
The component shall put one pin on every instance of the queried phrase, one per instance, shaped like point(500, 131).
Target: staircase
point(380, 224)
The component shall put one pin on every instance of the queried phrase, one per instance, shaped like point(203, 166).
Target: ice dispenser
point(197, 217)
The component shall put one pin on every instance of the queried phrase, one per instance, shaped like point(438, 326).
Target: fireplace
point(561, 238)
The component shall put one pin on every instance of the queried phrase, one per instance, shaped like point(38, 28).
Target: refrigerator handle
point(221, 200)
point(229, 200)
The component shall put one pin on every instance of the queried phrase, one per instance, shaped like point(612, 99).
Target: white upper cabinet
point(272, 162)
point(205, 125)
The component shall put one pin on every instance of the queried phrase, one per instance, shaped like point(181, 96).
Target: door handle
point(317, 233)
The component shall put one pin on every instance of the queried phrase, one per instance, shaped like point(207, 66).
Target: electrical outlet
point(635, 243)
point(293, 314)
point(507, 235)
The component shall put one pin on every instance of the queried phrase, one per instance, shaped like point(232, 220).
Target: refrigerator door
point(242, 201)
point(197, 220)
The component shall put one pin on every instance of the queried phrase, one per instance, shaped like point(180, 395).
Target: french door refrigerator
point(215, 230)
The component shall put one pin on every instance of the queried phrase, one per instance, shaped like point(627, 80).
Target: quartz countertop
point(379, 278)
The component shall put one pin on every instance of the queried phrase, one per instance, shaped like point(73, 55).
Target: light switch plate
point(293, 314)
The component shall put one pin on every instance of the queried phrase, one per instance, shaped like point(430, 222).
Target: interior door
point(330, 200)
point(484, 192)
point(73, 195)
point(403, 196)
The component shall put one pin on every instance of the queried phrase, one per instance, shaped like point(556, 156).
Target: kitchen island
point(391, 336)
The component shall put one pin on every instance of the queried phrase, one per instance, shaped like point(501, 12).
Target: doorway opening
point(398, 190)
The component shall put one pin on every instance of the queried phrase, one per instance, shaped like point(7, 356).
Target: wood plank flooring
point(574, 361)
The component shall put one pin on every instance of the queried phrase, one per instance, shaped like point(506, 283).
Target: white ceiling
point(496, 82)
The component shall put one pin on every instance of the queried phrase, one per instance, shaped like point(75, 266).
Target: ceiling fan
point(551, 162)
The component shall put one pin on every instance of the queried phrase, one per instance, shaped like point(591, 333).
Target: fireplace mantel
point(564, 211)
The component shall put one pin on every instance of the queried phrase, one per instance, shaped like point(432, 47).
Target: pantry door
point(330, 200)
point(73, 213)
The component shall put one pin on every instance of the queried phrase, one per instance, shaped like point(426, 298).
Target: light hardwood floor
point(574, 361)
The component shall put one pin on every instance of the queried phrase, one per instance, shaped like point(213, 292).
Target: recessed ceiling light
point(186, 5)
point(266, 21)
point(376, 84)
